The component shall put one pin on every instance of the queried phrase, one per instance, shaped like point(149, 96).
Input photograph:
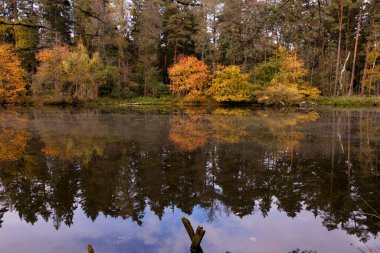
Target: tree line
point(122, 49)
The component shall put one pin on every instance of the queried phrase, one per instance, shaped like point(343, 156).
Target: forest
point(264, 51)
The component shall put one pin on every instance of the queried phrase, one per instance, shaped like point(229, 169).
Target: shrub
point(286, 83)
point(280, 94)
point(230, 85)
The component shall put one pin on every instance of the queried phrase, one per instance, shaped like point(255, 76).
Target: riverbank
point(345, 101)
point(168, 101)
point(354, 101)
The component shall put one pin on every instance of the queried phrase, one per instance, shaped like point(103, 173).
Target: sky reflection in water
point(276, 233)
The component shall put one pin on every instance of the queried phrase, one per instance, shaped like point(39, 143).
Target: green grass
point(171, 101)
point(352, 101)
point(146, 101)
point(143, 101)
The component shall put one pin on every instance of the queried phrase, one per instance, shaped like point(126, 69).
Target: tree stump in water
point(90, 249)
point(196, 238)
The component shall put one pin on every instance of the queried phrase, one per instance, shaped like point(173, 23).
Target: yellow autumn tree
point(85, 72)
point(230, 85)
point(282, 79)
point(68, 73)
point(372, 72)
point(189, 77)
point(12, 75)
point(51, 76)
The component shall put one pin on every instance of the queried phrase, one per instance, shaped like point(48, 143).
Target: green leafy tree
point(57, 15)
point(179, 28)
point(230, 41)
point(147, 41)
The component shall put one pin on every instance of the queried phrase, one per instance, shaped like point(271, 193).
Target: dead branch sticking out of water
point(90, 249)
point(196, 238)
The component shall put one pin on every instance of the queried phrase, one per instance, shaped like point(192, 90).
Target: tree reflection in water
point(227, 160)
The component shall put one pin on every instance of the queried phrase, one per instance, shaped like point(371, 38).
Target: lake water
point(256, 180)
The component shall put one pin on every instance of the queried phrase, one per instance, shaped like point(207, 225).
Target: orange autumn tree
point(12, 75)
point(188, 77)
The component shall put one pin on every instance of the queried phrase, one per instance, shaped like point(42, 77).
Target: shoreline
point(168, 101)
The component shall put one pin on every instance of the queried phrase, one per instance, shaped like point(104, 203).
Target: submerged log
point(196, 238)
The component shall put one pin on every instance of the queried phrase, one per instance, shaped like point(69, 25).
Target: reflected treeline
point(225, 161)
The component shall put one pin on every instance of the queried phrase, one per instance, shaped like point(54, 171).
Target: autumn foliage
point(188, 77)
point(188, 133)
point(282, 80)
point(12, 75)
point(50, 74)
point(69, 73)
point(230, 85)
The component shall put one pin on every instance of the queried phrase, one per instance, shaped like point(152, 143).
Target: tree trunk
point(362, 87)
point(175, 51)
point(341, 74)
point(351, 90)
point(338, 50)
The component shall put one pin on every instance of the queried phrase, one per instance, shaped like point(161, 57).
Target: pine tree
point(147, 41)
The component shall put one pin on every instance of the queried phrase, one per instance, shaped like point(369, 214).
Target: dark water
point(256, 180)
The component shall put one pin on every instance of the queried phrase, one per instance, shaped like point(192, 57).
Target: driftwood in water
point(196, 238)
point(90, 249)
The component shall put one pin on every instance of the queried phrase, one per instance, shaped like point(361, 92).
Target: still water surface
point(256, 180)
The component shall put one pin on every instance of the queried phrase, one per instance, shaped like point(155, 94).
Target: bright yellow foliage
point(188, 77)
point(12, 75)
point(84, 72)
point(230, 85)
point(280, 93)
point(69, 73)
point(373, 71)
point(292, 69)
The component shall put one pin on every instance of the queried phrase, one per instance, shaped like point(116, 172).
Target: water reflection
point(225, 161)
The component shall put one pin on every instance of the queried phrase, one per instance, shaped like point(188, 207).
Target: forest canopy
point(256, 50)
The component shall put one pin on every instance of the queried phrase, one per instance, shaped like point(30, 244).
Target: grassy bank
point(138, 101)
point(353, 101)
point(171, 101)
